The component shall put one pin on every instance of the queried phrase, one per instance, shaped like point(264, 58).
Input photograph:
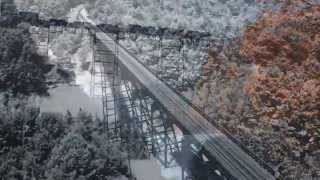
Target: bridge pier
point(146, 126)
point(106, 85)
point(134, 112)
point(228, 154)
point(139, 115)
point(145, 118)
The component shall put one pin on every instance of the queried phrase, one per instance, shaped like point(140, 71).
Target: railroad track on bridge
point(219, 145)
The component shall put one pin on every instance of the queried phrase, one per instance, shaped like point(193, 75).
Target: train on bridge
point(214, 144)
point(161, 32)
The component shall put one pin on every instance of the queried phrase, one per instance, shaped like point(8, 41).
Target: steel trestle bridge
point(144, 114)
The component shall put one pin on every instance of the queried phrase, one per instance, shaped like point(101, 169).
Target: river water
point(70, 98)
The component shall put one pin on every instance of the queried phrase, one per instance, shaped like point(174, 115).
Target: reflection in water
point(151, 169)
point(72, 98)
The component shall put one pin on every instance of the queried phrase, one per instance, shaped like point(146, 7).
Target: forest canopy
point(285, 48)
point(264, 87)
point(285, 88)
point(36, 145)
point(22, 70)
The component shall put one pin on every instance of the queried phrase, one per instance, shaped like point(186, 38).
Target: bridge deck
point(239, 164)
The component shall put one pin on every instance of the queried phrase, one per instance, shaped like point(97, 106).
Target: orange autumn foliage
point(285, 47)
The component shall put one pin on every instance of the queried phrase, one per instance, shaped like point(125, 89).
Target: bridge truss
point(131, 115)
point(128, 111)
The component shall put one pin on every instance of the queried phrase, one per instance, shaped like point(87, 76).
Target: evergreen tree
point(21, 68)
point(55, 146)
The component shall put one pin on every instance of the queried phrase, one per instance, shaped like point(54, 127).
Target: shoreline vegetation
point(22, 70)
point(264, 87)
point(54, 146)
point(40, 145)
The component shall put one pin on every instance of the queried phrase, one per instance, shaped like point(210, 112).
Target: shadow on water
point(72, 98)
point(197, 163)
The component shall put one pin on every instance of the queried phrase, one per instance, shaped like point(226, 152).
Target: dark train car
point(115, 29)
point(179, 33)
point(58, 22)
point(122, 29)
point(86, 24)
point(172, 33)
point(204, 34)
point(100, 26)
point(190, 35)
point(133, 28)
point(150, 31)
point(166, 33)
point(76, 24)
point(44, 23)
point(161, 31)
point(30, 17)
point(9, 21)
point(109, 28)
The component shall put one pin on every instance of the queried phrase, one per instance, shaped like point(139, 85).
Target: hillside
point(41, 145)
point(222, 18)
point(261, 81)
point(265, 89)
